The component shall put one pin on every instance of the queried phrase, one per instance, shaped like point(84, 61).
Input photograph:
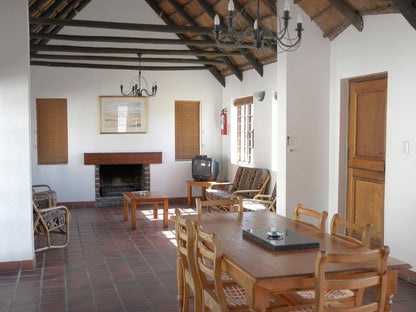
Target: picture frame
point(123, 114)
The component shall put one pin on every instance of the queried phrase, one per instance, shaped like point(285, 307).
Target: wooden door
point(366, 153)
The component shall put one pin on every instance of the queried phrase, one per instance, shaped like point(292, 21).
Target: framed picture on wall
point(123, 114)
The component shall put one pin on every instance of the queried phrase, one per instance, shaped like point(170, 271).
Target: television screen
point(204, 168)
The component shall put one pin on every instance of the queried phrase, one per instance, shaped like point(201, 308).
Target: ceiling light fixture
point(135, 88)
point(260, 36)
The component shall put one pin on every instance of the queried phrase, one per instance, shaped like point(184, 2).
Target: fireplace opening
point(116, 179)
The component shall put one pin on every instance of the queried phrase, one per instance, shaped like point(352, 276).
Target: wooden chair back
point(352, 230)
point(373, 274)
point(320, 217)
point(209, 259)
point(222, 205)
point(185, 234)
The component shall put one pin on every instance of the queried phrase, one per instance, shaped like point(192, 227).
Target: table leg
point(126, 209)
point(155, 207)
point(165, 212)
point(133, 214)
point(392, 276)
point(189, 194)
point(203, 188)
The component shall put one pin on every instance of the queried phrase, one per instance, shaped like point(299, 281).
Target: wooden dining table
point(262, 271)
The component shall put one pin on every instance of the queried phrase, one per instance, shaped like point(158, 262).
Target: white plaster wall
point(82, 87)
point(16, 225)
point(263, 120)
point(387, 43)
point(304, 97)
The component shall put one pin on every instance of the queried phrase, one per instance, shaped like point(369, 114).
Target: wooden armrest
point(219, 184)
point(243, 191)
point(262, 196)
point(258, 201)
point(42, 185)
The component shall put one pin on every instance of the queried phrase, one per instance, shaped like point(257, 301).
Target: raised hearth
point(116, 173)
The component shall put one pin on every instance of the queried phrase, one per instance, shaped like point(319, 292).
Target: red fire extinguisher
point(224, 121)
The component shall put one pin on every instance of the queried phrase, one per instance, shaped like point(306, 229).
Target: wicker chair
point(52, 220)
point(262, 202)
point(44, 196)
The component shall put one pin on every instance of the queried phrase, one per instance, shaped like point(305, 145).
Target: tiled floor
point(109, 267)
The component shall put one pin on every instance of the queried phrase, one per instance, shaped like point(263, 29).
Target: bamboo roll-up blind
point(187, 136)
point(52, 131)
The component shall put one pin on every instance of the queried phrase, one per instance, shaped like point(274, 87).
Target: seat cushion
point(53, 219)
point(214, 194)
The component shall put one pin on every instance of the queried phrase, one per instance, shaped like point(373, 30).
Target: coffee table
point(151, 197)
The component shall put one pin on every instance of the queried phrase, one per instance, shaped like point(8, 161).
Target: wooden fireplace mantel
point(122, 158)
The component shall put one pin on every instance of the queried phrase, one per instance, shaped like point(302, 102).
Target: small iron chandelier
point(135, 88)
point(260, 35)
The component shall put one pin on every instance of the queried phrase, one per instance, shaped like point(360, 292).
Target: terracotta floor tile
point(110, 267)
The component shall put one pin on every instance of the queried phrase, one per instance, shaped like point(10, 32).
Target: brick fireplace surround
point(98, 159)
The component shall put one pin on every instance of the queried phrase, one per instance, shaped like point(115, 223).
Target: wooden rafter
point(407, 9)
point(190, 21)
point(352, 16)
point(214, 71)
point(158, 41)
point(86, 57)
point(114, 66)
point(67, 48)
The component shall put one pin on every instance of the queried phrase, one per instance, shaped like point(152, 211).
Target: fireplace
point(116, 173)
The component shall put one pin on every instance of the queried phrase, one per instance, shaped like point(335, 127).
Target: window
point(244, 130)
point(52, 131)
point(186, 129)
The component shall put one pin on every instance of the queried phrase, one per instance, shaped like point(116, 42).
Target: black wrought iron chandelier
point(260, 36)
point(136, 87)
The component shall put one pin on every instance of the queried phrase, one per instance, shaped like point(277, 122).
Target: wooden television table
point(204, 185)
point(152, 197)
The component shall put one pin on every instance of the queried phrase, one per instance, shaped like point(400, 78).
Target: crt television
point(204, 168)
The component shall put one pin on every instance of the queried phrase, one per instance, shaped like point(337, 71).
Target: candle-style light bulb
point(255, 25)
point(299, 20)
point(231, 6)
point(216, 20)
point(287, 6)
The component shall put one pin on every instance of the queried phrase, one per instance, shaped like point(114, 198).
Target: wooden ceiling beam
point(214, 71)
point(111, 50)
point(85, 57)
point(407, 9)
point(122, 26)
point(113, 66)
point(190, 21)
point(158, 41)
point(349, 13)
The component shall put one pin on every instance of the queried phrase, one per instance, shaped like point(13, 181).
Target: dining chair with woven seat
point(184, 232)
point(311, 214)
point(222, 205)
point(371, 273)
point(355, 233)
point(352, 228)
point(218, 296)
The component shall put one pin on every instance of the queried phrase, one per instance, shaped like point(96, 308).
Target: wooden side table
point(152, 197)
point(204, 185)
